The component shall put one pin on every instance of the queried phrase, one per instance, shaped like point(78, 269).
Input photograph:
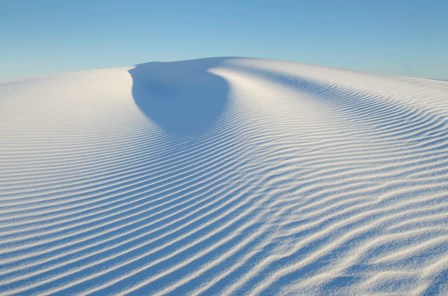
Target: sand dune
point(224, 176)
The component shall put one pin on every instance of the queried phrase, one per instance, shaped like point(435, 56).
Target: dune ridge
point(230, 176)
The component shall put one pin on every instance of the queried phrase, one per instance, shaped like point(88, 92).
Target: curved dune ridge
point(224, 176)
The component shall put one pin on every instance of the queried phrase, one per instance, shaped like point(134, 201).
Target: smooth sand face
point(224, 176)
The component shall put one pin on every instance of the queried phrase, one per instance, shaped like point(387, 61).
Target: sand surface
point(223, 176)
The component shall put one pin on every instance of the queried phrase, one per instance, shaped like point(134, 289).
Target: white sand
point(224, 176)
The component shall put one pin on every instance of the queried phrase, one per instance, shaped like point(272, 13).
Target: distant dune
point(227, 176)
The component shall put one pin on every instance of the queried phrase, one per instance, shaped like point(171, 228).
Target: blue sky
point(402, 37)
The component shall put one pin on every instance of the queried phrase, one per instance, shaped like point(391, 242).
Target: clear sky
point(403, 37)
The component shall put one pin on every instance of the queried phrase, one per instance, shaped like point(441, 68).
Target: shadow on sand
point(180, 97)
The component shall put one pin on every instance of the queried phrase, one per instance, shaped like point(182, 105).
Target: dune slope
point(223, 176)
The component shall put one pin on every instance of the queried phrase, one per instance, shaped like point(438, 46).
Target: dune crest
point(229, 176)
